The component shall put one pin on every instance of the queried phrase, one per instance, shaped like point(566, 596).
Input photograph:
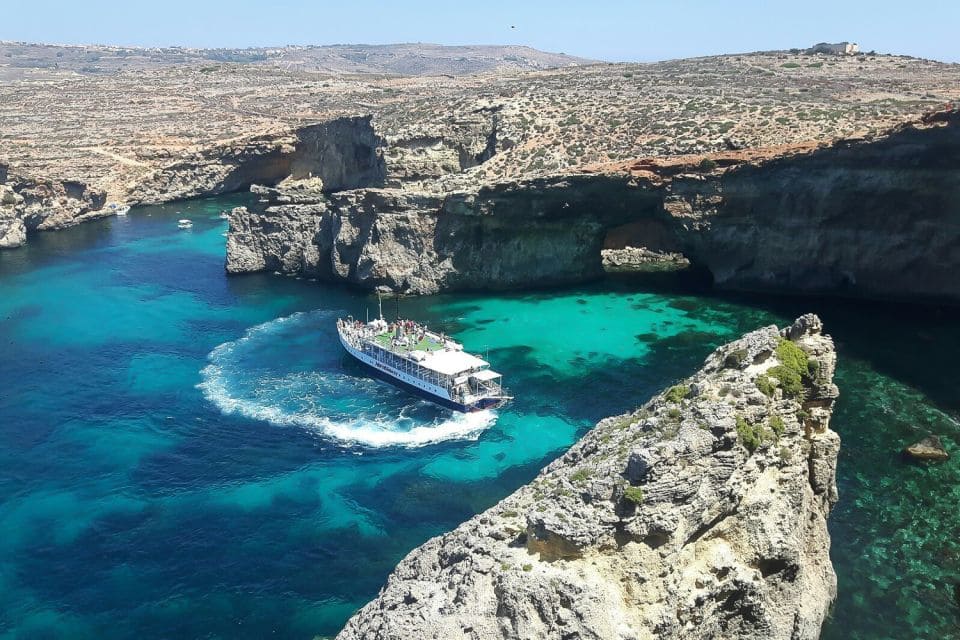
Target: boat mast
point(380, 304)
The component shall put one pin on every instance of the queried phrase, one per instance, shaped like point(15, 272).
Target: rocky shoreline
point(872, 218)
point(703, 514)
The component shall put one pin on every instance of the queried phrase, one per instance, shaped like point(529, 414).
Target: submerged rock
point(928, 449)
point(700, 515)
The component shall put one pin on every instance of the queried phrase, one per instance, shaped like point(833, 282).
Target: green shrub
point(765, 385)
point(793, 368)
point(777, 426)
point(673, 413)
point(750, 436)
point(580, 476)
point(790, 65)
point(633, 494)
point(792, 356)
point(707, 165)
point(677, 393)
point(790, 381)
point(528, 567)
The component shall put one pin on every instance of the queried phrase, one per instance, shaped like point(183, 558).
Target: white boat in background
point(119, 210)
point(184, 224)
point(224, 215)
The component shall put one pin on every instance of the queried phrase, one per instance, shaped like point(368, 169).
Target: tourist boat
point(184, 224)
point(119, 210)
point(420, 361)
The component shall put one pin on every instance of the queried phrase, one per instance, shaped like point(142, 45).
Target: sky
point(614, 30)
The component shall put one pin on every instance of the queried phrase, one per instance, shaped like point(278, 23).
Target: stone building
point(837, 49)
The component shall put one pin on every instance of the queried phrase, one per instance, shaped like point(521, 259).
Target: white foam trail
point(379, 431)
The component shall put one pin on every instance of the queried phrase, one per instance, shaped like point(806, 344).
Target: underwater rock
point(929, 449)
point(703, 514)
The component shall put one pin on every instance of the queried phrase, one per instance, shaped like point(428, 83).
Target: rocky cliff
point(703, 514)
point(28, 204)
point(870, 217)
point(344, 153)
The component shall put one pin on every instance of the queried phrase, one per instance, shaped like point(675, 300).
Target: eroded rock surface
point(873, 218)
point(28, 204)
point(701, 515)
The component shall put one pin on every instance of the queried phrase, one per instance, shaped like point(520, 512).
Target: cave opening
point(648, 252)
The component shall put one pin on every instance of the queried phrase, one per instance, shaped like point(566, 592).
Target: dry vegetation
point(110, 125)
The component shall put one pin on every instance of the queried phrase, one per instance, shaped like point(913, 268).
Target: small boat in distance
point(119, 210)
point(184, 224)
point(428, 364)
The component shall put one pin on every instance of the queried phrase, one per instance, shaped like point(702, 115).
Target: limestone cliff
point(28, 204)
point(502, 236)
point(344, 153)
point(701, 515)
point(871, 217)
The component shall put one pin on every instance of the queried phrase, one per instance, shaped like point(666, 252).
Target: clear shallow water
point(189, 455)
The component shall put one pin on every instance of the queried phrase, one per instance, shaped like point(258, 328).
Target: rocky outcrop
point(345, 153)
point(928, 449)
point(872, 218)
point(28, 204)
point(868, 218)
point(421, 153)
point(503, 236)
point(703, 514)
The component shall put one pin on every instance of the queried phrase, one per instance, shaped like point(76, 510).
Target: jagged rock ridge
point(701, 515)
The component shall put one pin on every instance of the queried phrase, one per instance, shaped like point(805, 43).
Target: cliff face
point(344, 153)
point(28, 204)
point(504, 236)
point(701, 515)
point(872, 218)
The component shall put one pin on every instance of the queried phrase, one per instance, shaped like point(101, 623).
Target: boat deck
point(428, 344)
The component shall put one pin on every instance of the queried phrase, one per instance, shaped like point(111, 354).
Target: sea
point(186, 454)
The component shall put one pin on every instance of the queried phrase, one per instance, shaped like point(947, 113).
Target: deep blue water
point(186, 454)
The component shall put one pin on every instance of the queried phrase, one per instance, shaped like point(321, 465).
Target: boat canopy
point(485, 375)
point(451, 363)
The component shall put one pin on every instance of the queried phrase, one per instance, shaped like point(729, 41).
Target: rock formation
point(703, 514)
point(344, 153)
point(28, 204)
point(872, 218)
point(929, 449)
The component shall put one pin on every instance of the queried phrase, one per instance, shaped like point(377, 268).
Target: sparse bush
point(790, 381)
point(777, 426)
point(677, 393)
point(707, 165)
point(580, 476)
point(793, 368)
point(528, 567)
point(750, 436)
point(766, 386)
point(633, 494)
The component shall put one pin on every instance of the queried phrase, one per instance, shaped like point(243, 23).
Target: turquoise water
point(189, 455)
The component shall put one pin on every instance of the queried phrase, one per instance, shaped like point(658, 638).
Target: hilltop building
point(837, 49)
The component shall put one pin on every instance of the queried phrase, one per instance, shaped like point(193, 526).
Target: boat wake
point(292, 371)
